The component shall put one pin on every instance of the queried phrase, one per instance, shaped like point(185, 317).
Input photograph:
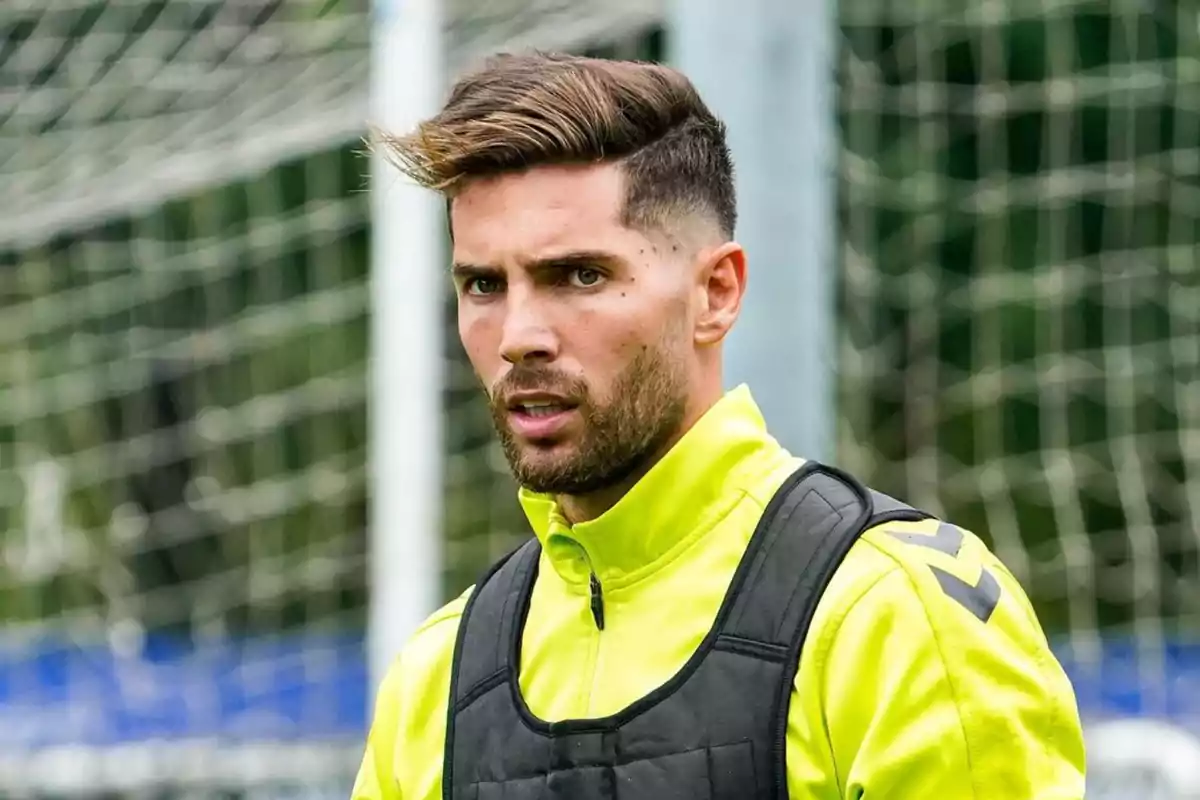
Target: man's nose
point(528, 334)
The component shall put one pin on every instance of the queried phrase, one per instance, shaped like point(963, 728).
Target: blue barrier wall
point(54, 692)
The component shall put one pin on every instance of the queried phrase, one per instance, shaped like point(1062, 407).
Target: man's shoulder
point(444, 621)
point(931, 577)
point(946, 566)
point(429, 651)
point(911, 545)
point(923, 621)
point(408, 727)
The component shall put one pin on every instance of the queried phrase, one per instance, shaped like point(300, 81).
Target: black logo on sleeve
point(979, 598)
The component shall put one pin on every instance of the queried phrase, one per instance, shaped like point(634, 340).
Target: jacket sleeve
point(938, 682)
point(403, 758)
point(376, 779)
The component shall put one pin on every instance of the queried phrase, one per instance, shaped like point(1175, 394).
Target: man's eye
point(482, 286)
point(586, 277)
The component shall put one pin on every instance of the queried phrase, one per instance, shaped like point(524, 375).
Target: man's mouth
point(541, 408)
point(538, 415)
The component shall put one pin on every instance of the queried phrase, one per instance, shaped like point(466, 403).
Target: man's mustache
point(538, 379)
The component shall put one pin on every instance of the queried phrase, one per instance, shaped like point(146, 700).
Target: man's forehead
point(534, 214)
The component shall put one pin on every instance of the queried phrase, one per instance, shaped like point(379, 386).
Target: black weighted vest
point(717, 729)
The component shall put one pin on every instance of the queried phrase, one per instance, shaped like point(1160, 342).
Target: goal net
point(1019, 211)
point(183, 375)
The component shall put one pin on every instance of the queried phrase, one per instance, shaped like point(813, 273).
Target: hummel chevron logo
point(948, 539)
point(981, 598)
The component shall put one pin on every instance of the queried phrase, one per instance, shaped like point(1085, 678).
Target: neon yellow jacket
point(908, 694)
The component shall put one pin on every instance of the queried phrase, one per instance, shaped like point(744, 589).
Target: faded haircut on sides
point(532, 109)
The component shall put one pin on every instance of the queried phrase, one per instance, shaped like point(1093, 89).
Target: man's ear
point(722, 284)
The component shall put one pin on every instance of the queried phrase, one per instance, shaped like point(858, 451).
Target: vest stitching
point(751, 648)
point(804, 590)
point(483, 687)
point(618, 762)
point(515, 589)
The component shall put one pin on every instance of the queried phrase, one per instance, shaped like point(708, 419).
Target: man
point(700, 614)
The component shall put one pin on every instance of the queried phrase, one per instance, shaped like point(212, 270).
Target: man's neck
point(586, 507)
point(577, 508)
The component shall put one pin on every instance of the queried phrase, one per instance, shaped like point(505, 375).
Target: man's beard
point(646, 409)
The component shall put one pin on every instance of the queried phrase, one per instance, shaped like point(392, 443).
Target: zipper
point(596, 603)
point(597, 593)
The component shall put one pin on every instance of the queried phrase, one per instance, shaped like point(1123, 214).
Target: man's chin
point(549, 470)
point(548, 449)
point(543, 461)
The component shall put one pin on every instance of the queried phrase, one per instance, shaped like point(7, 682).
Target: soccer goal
point(185, 318)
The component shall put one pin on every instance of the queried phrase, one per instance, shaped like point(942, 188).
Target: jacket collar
point(679, 499)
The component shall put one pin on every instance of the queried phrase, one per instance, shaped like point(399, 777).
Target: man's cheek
point(481, 349)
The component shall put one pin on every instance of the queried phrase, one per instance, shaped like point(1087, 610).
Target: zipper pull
point(597, 602)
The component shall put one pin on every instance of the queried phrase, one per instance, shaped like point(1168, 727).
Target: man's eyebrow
point(577, 258)
point(461, 270)
point(573, 259)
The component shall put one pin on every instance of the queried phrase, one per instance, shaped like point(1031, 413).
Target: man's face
point(578, 326)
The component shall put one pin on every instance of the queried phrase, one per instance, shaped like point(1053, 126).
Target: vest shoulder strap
point(806, 530)
point(889, 509)
point(495, 610)
point(804, 534)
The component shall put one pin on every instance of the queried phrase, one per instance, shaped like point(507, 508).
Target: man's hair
point(525, 110)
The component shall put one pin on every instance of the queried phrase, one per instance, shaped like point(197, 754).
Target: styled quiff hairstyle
point(526, 110)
